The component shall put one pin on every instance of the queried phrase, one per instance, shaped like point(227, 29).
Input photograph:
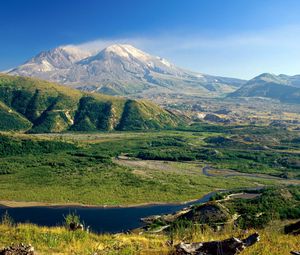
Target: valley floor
point(135, 168)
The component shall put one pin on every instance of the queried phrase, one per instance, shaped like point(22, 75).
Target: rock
point(198, 107)
point(209, 213)
point(223, 111)
point(215, 118)
point(248, 139)
point(222, 141)
point(278, 123)
point(295, 252)
point(20, 249)
point(75, 226)
point(229, 246)
point(151, 219)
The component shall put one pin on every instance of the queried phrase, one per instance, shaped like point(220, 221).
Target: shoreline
point(24, 204)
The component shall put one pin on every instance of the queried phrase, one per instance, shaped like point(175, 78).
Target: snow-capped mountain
point(58, 58)
point(120, 69)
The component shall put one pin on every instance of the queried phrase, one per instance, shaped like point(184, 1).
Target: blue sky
point(239, 38)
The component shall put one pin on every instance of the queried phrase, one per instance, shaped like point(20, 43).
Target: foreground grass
point(58, 240)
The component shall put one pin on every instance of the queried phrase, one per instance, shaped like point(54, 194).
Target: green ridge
point(11, 120)
point(49, 107)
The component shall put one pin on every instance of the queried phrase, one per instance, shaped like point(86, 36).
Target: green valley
point(125, 168)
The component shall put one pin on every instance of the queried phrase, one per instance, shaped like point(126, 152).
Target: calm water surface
point(100, 220)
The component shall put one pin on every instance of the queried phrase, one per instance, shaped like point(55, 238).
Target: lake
point(100, 220)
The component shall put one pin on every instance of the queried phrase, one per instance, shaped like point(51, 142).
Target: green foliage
point(82, 167)
point(182, 230)
point(220, 140)
point(51, 168)
point(14, 146)
point(71, 218)
point(144, 115)
point(168, 142)
point(92, 115)
point(6, 220)
point(131, 117)
point(166, 155)
point(11, 120)
point(272, 204)
point(218, 196)
point(53, 108)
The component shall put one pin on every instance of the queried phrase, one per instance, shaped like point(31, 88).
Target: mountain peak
point(280, 87)
point(69, 52)
point(52, 60)
point(75, 52)
point(269, 77)
point(127, 51)
point(119, 69)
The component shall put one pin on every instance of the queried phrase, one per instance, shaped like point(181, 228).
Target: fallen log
point(229, 246)
point(295, 252)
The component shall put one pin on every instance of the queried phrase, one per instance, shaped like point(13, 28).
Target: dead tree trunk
point(229, 246)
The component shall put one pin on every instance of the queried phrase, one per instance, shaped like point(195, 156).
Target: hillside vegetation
point(40, 106)
point(59, 240)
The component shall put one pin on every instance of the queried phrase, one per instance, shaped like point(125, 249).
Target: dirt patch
point(244, 196)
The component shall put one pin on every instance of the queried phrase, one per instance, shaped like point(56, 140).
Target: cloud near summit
point(273, 50)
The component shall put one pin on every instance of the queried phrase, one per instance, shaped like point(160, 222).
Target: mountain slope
point(11, 120)
point(47, 63)
point(121, 69)
point(282, 87)
point(43, 106)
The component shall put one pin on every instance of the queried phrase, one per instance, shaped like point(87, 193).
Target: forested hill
point(39, 106)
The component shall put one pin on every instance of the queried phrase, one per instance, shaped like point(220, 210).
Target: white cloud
point(243, 54)
point(99, 44)
point(281, 37)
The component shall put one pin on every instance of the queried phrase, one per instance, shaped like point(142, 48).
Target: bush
point(7, 220)
point(14, 146)
point(71, 218)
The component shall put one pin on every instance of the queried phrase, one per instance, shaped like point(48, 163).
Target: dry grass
point(58, 240)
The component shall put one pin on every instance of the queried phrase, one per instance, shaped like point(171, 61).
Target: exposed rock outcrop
point(20, 249)
point(215, 118)
point(209, 213)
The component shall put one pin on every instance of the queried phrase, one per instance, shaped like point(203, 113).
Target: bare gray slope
point(281, 87)
point(121, 69)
